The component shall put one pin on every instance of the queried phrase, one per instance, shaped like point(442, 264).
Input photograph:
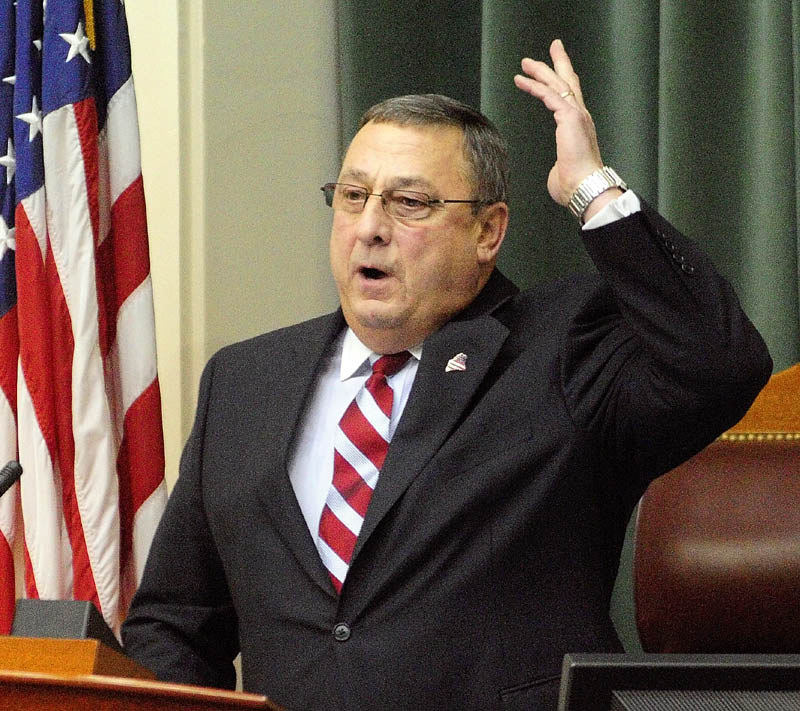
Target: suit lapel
point(304, 358)
point(439, 397)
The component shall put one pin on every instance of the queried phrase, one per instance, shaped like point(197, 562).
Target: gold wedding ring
point(565, 94)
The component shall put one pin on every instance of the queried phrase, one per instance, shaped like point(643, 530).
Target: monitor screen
point(680, 682)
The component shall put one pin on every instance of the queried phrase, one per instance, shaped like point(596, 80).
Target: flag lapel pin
point(457, 362)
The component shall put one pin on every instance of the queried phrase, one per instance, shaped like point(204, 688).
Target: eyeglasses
point(403, 204)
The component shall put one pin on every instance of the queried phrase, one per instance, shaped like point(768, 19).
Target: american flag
point(80, 405)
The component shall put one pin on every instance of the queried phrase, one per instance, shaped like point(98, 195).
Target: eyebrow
point(353, 174)
point(400, 183)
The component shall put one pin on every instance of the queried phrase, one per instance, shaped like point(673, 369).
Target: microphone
point(9, 474)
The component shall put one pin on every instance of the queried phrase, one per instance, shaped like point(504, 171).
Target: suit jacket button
point(341, 632)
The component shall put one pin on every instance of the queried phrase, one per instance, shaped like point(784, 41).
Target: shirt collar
point(356, 355)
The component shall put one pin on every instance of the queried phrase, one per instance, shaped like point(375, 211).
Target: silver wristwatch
point(591, 186)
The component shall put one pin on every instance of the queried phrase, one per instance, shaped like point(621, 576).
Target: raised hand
point(577, 152)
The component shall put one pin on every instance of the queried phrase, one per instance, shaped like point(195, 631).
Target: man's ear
point(493, 222)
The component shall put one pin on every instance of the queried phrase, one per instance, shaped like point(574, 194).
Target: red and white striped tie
point(360, 446)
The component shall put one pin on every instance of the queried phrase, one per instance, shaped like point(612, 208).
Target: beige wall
point(239, 128)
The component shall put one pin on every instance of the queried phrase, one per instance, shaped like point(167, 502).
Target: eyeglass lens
point(406, 204)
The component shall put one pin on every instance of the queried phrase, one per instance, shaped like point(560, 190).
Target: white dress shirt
point(311, 462)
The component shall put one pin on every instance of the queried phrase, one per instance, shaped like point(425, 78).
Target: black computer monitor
point(680, 682)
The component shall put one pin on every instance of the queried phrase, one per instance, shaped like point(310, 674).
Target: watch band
point(591, 186)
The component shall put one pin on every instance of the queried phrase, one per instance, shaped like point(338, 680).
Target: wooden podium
point(85, 675)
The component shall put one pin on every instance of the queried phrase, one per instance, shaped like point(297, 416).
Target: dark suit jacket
point(491, 543)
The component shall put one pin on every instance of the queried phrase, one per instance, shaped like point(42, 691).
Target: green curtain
point(697, 105)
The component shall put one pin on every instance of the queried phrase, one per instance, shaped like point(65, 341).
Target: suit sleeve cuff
point(626, 204)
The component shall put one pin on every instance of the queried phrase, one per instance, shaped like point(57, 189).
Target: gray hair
point(484, 148)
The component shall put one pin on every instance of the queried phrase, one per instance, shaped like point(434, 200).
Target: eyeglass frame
point(429, 201)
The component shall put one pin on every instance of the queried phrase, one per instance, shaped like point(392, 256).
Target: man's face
point(400, 280)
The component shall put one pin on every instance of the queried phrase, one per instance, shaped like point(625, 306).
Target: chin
point(379, 328)
point(382, 321)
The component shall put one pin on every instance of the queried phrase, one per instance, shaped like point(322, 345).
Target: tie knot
point(388, 365)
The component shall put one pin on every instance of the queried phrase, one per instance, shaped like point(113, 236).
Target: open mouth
point(372, 273)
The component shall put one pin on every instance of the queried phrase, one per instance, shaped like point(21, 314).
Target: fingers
point(553, 95)
point(556, 86)
point(562, 66)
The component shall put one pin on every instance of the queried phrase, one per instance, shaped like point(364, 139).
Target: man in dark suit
point(531, 423)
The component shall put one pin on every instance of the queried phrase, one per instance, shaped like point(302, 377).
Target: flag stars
point(7, 241)
point(34, 119)
point(9, 162)
point(78, 43)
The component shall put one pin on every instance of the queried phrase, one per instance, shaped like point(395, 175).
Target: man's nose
point(373, 222)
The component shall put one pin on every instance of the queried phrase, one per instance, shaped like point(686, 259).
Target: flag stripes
point(86, 402)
